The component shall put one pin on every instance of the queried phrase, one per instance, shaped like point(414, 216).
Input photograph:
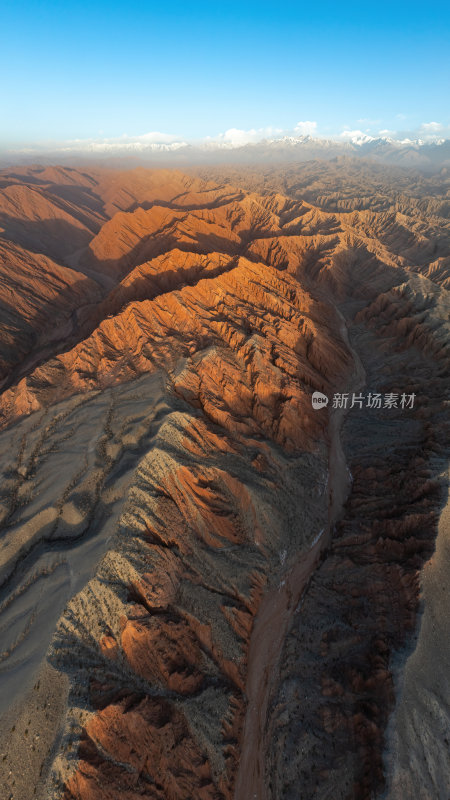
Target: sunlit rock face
point(166, 480)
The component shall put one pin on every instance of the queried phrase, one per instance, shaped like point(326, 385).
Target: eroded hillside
point(221, 583)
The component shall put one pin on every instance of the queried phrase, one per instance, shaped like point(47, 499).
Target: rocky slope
point(167, 482)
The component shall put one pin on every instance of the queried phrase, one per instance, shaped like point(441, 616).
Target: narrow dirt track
point(279, 604)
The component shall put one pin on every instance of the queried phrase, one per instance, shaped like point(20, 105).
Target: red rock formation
point(230, 296)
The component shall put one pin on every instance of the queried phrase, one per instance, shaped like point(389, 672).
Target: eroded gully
point(279, 604)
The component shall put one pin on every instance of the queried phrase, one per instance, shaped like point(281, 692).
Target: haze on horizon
point(230, 73)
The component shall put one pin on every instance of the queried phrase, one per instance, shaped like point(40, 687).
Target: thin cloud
point(433, 131)
point(153, 140)
point(357, 137)
point(306, 128)
point(237, 137)
point(432, 127)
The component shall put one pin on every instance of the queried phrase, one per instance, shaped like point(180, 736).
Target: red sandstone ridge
point(38, 299)
point(253, 344)
point(164, 476)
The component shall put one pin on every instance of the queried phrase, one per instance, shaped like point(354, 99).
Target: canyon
point(210, 589)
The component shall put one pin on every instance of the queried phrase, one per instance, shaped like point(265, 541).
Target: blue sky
point(102, 70)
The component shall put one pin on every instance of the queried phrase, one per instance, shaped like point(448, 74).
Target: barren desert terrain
point(209, 589)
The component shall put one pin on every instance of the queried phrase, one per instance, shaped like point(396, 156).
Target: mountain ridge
point(168, 484)
point(424, 154)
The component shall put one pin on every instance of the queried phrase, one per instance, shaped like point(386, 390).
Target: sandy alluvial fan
point(210, 590)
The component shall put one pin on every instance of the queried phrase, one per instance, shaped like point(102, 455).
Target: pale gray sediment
point(65, 479)
point(59, 517)
point(417, 758)
point(30, 734)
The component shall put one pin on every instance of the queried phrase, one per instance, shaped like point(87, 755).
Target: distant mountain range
point(404, 152)
point(429, 155)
